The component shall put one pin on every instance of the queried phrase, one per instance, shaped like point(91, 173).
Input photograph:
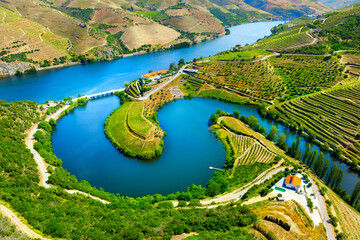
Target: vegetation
point(125, 130)
point(228, 19)
point(333, 117)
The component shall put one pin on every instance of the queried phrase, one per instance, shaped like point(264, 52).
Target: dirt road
point(5, 211)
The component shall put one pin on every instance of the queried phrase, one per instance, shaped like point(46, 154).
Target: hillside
point(44, 33)
point(336, 4)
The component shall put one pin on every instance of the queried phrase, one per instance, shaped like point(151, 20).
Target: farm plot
point(137, 122)
point(333, 115)
point(246, 150)
point(282, 77)
point(241, 76)
point(30, 37)
point(289, 38)
point(123, 138)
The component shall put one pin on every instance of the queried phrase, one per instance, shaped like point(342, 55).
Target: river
point(57, 84)
point(190, 148)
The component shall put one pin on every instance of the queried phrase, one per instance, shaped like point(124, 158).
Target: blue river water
point(58, 84)
point(190, 148)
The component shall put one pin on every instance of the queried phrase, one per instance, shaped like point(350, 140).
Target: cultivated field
point(276, 78)
point(18, 35)
point(290, 38)
point(120, 131)
point(246, 149)
point(333, 115)
point(136, 121)
point(154, 33)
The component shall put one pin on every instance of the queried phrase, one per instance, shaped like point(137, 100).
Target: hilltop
point(47, 33)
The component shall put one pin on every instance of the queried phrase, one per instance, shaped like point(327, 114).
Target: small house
point(83, 25)
point(154, 75)
point(50, 104)
point(237, 47)
point(293, 182)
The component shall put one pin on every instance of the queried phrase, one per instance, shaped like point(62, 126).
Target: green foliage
point(278, 221)
point(61, 215)
point(84, 14)
point(228, 19)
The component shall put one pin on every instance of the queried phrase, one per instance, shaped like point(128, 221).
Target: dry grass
point(32, 34)
point(288, 212)
point(62, 25)
point(177, 12)
point(153, 33)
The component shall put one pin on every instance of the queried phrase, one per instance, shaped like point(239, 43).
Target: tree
point(173, 66)
point(337, 179)
point(331, 175)
point(319, 164)
point(236, 114)
point(253, 123)
point(281, 142)
point(307, 153)
point(52, 122)
point(355, 195)
point(273, 133)
point(312, 158)
point(263, 131)
point(181, 62)
point(325, 168)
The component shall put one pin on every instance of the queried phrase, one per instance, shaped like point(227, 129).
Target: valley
point(210, 149)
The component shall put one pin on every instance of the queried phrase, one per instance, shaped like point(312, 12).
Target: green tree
point(331, 175)
point(319, 164)
point(281, 141)
point(355, 195)
point(236, 114)
point(273, 133)
point(325, 168)
point(307, 153)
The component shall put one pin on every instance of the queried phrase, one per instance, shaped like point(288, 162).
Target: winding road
point(22, 227)
point(157, 88)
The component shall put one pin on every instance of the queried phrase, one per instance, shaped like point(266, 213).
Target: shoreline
point(69, 64)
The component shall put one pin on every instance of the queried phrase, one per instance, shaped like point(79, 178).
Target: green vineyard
point(248, 150)
point(289, 38)
point(281, 78)
point(333, 115)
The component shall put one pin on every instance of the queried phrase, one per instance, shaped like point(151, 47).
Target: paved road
point(5, 211)
point(234, 195)
point(323, 212)
point(157, 88)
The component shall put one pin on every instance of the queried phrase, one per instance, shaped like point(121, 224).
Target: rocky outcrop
point(11, 68)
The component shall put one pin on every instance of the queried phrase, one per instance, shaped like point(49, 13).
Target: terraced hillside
point(333, 115)
point(133, 134)
point(290, 38)
point(277, 78)
point(245, 149)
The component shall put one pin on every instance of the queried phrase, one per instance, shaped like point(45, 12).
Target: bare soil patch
point(153, 33)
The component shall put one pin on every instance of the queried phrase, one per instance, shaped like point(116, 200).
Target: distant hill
point(336, 4)
point(44, 33)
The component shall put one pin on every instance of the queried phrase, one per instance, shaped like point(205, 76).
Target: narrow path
point(87, 195)
point(40, 36)
point(12, 216)
point(300, 29)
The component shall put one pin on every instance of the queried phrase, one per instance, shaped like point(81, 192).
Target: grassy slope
point(137, 122)
point(118, 131)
